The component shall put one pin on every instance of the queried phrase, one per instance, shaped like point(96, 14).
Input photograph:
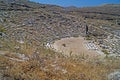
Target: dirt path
point(21, 57)
point(3, 52)
point(75, 46)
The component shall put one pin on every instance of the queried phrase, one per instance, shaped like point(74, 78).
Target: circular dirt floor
point(75, 46)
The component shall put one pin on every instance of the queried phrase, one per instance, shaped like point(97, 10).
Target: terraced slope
point(26, 27)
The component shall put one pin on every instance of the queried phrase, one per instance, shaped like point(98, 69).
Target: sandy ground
point(75, 46)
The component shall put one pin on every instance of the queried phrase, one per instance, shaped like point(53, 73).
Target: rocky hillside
point(26, 27)
point(41, 23)
point(109, 12)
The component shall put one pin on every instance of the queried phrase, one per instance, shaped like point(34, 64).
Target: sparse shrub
point(2, 29)
point(88, 38)
point(64, 45)
point(105, 51)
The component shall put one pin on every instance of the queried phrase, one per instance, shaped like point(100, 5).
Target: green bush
point(2, 29)
point(88, 38)
point(64, 45)
point(105, 51)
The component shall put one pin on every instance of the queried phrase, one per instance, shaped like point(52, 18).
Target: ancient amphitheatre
point(29, 30)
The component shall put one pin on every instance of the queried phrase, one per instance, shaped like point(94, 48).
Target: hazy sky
point(78, 3)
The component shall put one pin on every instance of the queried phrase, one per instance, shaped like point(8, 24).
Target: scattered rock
point(22, 56)
point(2, 53)
point(0, 76)
point(1, 46)
point(17, 47)
point(21, 41)
point(114, 76)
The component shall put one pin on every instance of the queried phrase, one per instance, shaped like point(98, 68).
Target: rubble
point(114, 76)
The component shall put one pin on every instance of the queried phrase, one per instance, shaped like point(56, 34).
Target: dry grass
point(48, 65)
point(45, 64)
